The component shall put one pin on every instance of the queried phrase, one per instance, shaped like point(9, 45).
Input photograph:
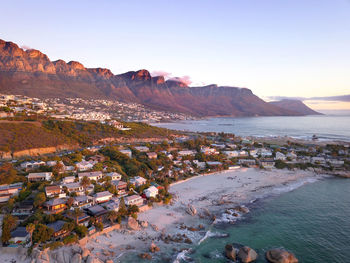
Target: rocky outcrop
point(133, 224)
point(230, 252)
point(31, 73)
point(295, 105)
point(247, 254)
point(154, 248)
point(280, 256)
point(191, 210)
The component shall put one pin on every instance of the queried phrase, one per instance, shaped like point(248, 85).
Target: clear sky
point(274, 47)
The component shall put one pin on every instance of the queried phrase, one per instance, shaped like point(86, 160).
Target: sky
point(293, 48)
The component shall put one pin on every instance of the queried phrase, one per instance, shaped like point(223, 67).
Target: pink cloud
point(158, 73)
point(184, 79)
point(26, 47)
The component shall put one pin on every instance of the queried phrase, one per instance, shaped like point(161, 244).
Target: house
point(247, 162)
point(126, 152)
point(134, 200)
point(152, 191)
point(113, 205)
point(82, 219)
point(267, 164)
point(4, 198)
point(97, 159)
point(318, 160)
point(114, 176)
point(12, 189)
point(102, 197)
point(187, 153)
point(55, 206)
point(291, 156)
point(280, 156)
point(20, 236)
point(231, 154)
point(75, 188)
point(214, 164)
point(91, 175)
point(54, 190)
point(138, 181)
point(98, 212)
point(84, 166)
point(51, 163)
point(32, 164)
point(37, 177)
point(152, 155)
point(83, 201)
point(209, 151)
point(142, 148)
point(24, 208)
point(58, 230)
point(68, 180)
point(335, 162)
point(120, 186)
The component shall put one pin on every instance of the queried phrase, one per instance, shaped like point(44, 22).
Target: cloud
point(184, 79)
point(169, 76)
point(25, 47)
point(158, 73)
point(344, 98)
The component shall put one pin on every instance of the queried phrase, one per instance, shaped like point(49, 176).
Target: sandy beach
point(211, 195)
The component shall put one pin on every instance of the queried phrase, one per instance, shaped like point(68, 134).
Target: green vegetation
point(19, 135)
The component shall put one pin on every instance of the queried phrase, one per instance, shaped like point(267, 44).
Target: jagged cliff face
point(31, 73)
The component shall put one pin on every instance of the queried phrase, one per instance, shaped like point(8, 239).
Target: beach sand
point(211, 195)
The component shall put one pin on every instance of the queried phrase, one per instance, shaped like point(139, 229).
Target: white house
point(36, 177)
point(75, 187)
point(280, 156)
point(152, 191)
point(134, 200)
point(126, 152)
point(91, 175)
point(231, 154)
point(84, 166)
point(187, 152)
point(142, 148)
point(32, 164)
point(138, 181)
point(68, 179)
point(102, 197)
point(114, 176)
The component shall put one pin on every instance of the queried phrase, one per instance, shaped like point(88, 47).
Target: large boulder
point(280, 256)
point(92, 259)
point(133, 224)
point(230, 252)
point(85, 253)
point(191, 210)
point(247, 254)
point(153, 248)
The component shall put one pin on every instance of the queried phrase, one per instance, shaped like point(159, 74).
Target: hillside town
point(52, 200)
point(84, 109)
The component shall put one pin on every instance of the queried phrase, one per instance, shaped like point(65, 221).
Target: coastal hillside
point(23, 135)
point(296, 106)
point(32, 73)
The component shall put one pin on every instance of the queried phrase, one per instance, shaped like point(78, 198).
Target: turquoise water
point(326, 127)
point(312, 221)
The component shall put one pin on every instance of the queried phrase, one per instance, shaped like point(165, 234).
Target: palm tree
point(85, 182)
point(30, 229)
point(76, 213)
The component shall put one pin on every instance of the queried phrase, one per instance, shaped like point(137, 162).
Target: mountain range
point(32, 73)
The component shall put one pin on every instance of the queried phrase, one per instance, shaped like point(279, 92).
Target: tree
point(30, 229)
point(39, 199)
point(76, 213)
point(7, 174)
point(85, 182)
point(8, 224)
point(122, 208)
point(70, 201)
point(112, 216)
point(42, 233)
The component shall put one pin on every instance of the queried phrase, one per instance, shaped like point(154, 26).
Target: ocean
point(312, 221)
point(327, 127)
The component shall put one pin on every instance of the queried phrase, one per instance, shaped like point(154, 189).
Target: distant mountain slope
point(31, 73)
point(295, 105)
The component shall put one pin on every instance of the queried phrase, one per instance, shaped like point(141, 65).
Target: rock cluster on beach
point(246, 254)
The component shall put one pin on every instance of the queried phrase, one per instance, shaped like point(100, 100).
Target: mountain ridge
point(32, 73)
point(295, 105)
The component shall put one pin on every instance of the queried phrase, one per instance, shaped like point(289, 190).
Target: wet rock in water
point(144, 224)
point(191, 210)
point(154, 248)
point(154, 227)
point(243, 209)
point(280, 256)
point(247, 254)
point(230, 252)
point(145, 256)
point(188, 241)
point(133, 224)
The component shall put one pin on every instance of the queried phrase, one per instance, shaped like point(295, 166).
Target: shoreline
point(232, 189)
